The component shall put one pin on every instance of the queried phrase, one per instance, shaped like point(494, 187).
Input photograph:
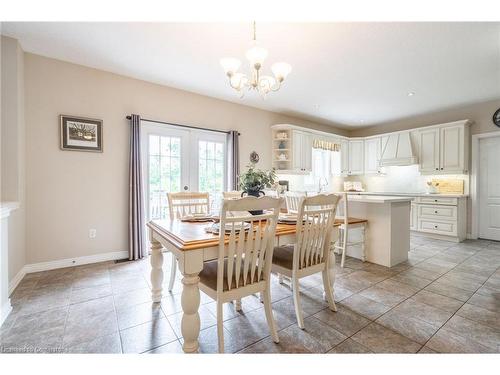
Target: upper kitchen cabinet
point(301, 151)
point(372, 155)
point(356, 157)
point(344, 157)
point(444, 149)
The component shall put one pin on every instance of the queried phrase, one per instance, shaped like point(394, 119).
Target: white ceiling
point(348, 74)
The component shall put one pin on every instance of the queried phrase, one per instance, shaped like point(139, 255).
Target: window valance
point(326, 145)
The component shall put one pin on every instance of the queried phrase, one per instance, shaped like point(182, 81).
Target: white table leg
point(190, 323)
point(156, 269)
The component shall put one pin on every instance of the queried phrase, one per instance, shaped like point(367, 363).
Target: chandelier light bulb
point(230, 65)
point(256, 55)
point(281, 70)
point(238, 81)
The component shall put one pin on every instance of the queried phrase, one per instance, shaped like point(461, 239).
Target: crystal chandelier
point(263, 84)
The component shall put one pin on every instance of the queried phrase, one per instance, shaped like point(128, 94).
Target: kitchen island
point(387, 235)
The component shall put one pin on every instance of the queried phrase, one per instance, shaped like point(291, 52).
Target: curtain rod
point(183, 126)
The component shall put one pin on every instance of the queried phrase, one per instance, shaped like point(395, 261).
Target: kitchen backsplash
point(405, 179)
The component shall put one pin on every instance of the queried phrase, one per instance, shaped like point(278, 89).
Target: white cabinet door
point(429, 151)
point(356, 157)
point(297, 150)
point(344, 157)
point(413, 217)
point(306, 152)
point(302, 151)
point(451, 146)
point(372, 155)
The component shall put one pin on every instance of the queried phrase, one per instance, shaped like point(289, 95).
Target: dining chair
point(347, 223)
point(243, 266)
point(234, 194)
point(292, 199)
point(312, 251)
point(182, 204)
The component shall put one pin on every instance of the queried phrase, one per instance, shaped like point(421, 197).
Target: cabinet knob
point(435, 200)
point(437, 169)
point(435, 226)
point(442, 168)
point(435, 212)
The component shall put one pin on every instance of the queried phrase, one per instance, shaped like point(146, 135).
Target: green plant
point(254, 180)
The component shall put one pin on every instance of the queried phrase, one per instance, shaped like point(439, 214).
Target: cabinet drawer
point(431, 226)
point(437, 200)
point(437, 212)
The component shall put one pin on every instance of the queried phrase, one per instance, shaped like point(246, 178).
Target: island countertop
point(400, 194)
point(377, 199)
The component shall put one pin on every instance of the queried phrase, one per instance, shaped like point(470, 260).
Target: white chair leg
point(220, 327)
point(280, 278)
point(296, 302)
point(173, 270)
point(363, 246)
point(344, 248)
point(269, 315)
point(328, 290)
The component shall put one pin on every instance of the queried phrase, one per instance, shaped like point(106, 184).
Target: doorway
point(177, 159)
point(489, 188)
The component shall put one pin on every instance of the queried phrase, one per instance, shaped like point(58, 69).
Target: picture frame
point(80, 134)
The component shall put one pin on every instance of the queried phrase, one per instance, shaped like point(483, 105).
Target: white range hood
point(397, 150)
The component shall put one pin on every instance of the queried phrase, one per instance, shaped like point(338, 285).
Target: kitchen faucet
point(322, 183)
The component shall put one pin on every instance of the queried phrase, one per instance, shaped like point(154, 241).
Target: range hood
point(397, 150)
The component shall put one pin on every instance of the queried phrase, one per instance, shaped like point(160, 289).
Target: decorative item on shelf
point(80, 134)
point(282, 157)
point(254, 157)
point(263, 84)
point(282, 135)
point(282, 145)
point(353, 186)
point(254, 181)
point(432, 187)
point(449, 185)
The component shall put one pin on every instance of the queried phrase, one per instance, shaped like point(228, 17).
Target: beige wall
point(13, 149)
point(70, 192)
point(480, 113)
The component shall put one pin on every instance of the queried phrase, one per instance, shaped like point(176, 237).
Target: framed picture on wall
point(81, 134)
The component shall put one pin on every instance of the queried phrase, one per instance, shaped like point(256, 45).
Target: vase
point(254, 193)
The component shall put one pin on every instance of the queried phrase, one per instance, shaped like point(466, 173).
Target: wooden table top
point(192, 236)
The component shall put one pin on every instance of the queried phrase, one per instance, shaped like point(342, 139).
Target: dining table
point(192, 245)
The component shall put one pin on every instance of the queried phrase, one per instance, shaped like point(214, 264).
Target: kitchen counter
point(397, 194)
point(368, 198)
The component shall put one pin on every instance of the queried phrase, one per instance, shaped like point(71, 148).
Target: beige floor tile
point(365, 306)
point(350, 346)
point(206, 320)
point(173, 347)
point(439, 301)
point(382, 340)
point(480, 315)
point(343, 320)
point(138, 314)
point(383, 296)
point(475, 331)
point(449, 290)
point(418, 310)
point(448, 341)
point(108, 344)
point(415, 329)
point(147, 336)
point(490, 302)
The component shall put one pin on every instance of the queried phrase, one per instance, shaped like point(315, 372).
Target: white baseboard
point(5, 311)
point(471, 237)
point(62, 263)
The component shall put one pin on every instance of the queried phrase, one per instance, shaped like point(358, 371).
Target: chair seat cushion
point(283, 256)
point(208, 276)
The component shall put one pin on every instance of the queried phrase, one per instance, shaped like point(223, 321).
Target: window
point(325, 164)
point(211, 169)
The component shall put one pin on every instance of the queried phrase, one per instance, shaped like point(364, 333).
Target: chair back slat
point(231, 194)
point(314, 231)
point(187, 203)
point(292, 200)
point(249, 252)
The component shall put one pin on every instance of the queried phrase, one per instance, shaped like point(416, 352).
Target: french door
point(176, 159)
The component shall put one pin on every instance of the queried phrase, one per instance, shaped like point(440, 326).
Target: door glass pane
point(211, 170)
point(164, 173)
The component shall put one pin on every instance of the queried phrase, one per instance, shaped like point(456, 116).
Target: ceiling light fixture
point(263, 84)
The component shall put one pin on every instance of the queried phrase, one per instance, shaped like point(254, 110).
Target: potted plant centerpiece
point(254, 181)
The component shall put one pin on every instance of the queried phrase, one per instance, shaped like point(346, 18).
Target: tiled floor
point(446, 298)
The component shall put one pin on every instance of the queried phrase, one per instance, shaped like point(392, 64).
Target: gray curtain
point(233, 159)
point(136, 213)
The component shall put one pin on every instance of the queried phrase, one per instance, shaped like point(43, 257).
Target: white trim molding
point(62, 263)
point(474, 180)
